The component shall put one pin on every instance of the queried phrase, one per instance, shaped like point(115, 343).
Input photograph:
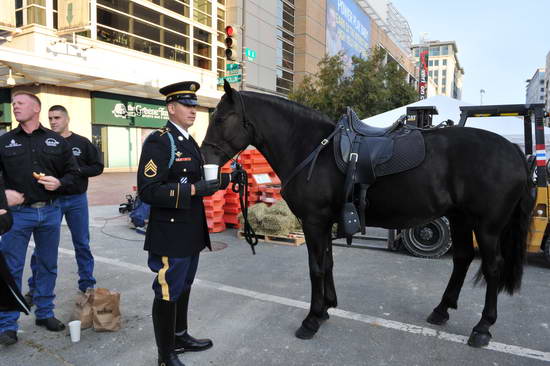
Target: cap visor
point(188, 102)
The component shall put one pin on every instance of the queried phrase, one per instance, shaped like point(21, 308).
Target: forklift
point(539, 240)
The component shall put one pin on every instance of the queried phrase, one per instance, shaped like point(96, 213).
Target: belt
point(39, 204)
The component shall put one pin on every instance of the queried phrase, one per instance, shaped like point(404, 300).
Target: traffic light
point(230, 44)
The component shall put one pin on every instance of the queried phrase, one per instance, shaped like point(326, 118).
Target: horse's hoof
point(325, 316)
point(478, 339)
point(305, 333)
point(437, 318)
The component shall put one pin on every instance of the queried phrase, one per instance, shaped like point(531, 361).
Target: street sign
point(232, 79)
point(250, 54)
point(231, 67)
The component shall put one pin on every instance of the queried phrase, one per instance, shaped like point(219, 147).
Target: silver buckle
point(353, 156)
point(324, 142)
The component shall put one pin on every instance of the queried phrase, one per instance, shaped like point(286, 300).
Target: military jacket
point(177, 222)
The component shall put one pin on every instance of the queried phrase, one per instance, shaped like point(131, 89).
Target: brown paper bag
point(83, 309)
point(106, 310)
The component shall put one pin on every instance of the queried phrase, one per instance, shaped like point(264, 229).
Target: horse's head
point(229, 130)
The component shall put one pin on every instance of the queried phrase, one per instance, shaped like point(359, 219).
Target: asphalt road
point(251, 305)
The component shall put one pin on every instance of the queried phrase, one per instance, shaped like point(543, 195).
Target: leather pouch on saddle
point(351, 224)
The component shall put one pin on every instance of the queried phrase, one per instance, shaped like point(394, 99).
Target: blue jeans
point(75, 209)
point(44, 224)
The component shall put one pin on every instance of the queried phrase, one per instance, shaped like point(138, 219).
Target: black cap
point(182, 92)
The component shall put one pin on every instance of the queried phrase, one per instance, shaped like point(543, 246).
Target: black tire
point(428, 241)
point(546, 250)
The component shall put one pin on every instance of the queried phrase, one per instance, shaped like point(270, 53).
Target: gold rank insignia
point(192, 87)
point(178, 154)
point(150, 169)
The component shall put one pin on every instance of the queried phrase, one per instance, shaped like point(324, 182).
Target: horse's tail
point(514, 238)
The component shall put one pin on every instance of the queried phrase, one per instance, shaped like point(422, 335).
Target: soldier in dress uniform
point(171, 180)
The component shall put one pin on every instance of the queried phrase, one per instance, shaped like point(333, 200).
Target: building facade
point(108, 67)
point(535, 90)
point(547, 87)
point(443, 67)
point(290, 37)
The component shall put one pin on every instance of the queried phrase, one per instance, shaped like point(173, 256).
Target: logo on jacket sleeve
point(150, 169)
point(51, 142)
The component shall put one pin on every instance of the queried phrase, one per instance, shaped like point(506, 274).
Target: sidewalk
point(110, 188)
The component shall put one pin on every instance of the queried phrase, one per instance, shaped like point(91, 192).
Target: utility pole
point(481, 92)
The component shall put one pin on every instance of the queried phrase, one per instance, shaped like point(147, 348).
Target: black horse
point(476, 178)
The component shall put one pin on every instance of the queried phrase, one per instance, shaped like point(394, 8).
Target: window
point(430, 63)
point(30, 12)
point(444, 80)
point(436, 73)
point(430, 73)
point(284, 52)
point(177, 6)
point(434, 51)
point(436, 63)
point(202, 10)
point(444, 72)
point(542, 89)
point(444, 90)
point(444, 50)
point(444, 62)
point(542, 97)
point(131, 25)
point(417, 52)
point(202, 48)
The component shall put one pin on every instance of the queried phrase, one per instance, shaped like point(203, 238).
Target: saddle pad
point(408, 151)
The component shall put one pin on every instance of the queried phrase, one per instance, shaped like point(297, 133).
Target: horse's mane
point(294, 110)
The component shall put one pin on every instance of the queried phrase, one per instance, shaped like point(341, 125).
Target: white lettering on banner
point(129, 111)
point(352, 19)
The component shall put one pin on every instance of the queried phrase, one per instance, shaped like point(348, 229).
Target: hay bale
point(274, 220)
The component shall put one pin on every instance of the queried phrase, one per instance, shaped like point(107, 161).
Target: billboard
point(423, 73)
point(348, 30)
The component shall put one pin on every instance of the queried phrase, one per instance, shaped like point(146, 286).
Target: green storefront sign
point(5, 106)
point(123, 110)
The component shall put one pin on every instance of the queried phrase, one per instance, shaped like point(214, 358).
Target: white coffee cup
point(74, 328)
point(210, 171)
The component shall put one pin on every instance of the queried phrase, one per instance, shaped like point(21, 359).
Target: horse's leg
point(463, 254)
point(491, 262)
point(316, 239)
point(330, 290)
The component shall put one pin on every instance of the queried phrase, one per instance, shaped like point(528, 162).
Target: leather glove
point(206, 187)
point(234, 175)
point(6, 222)
point(224, 180)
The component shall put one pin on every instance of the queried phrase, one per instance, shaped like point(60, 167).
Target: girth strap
point(313, 156)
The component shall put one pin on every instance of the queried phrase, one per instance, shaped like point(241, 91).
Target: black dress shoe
point(170, 360)
point(186, 343)
point(51, 324)
point(8, 337)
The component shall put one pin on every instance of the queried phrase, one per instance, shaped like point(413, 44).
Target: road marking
point(367, 319)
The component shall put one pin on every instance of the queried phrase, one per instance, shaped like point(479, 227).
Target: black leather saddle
point(381, 151)
point(363, 153)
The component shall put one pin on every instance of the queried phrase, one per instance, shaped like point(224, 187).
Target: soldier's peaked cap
point(182, 92)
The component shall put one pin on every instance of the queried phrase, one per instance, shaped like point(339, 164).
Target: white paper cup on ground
point(74, 329)
point(210, 171)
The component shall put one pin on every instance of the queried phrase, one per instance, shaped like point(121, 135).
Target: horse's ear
point(228, 90)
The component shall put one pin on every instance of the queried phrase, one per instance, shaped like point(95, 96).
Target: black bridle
point(240, 178)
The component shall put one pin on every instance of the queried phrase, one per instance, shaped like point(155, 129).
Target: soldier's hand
point(206, 187)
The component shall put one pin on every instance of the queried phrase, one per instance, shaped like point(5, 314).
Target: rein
point(240, 181)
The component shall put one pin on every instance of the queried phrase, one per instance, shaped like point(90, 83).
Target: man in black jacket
point(35, 162)
point(171, 180)
point(74, 201)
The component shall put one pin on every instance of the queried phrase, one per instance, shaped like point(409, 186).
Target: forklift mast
point(421, 116)
point(529, 112)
